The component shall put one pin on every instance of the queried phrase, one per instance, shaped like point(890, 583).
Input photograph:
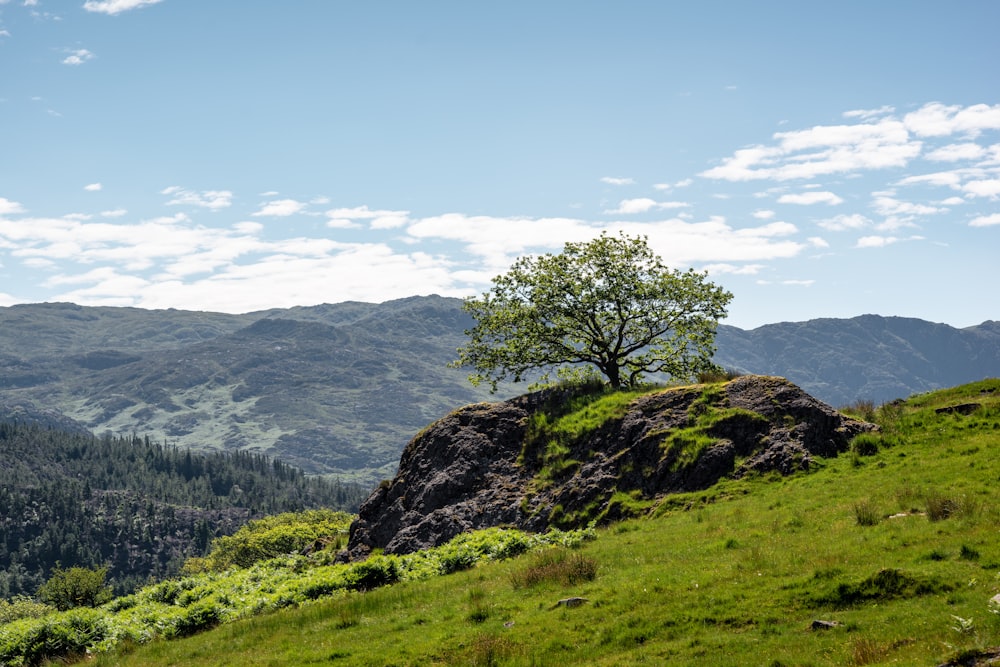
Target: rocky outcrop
point(486, 464)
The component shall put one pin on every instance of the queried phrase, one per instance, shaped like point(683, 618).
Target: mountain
point(864, 358)
point(339, 389)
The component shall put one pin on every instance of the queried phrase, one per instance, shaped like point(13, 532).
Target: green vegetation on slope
point(734, 575)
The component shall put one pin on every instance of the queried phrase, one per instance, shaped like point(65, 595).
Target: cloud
point(93, 187)
point(983, 188)
point(612, 180)
point(985, 220)
point(844, 222)
point(763, 214)
point(822, 150)
point(809, 198)
point(955, 152)
point(115, 213)
point(938, 120)
point(875, 241)
point(644, 204)
point(210, 199)
point(869, 113)
point(8, 207)
point(280, 208)
point(78, 57)
point(379, 219)
point(112, 7)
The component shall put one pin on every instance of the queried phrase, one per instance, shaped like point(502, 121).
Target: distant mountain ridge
point(339, 389)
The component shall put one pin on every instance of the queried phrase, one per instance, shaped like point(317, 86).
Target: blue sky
point(817, 159)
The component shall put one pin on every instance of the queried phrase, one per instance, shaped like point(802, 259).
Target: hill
point(566, 456)
point(885, 555)
point(339, 389)
point(134, 506)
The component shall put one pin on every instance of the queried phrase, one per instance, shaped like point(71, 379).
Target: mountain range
point(339, 389)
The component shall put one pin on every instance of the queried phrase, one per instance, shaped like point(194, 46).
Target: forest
point(136, 507)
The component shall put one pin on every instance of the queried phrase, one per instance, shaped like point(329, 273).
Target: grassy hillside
point(892, 545)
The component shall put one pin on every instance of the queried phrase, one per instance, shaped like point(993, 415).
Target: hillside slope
point(884, 556)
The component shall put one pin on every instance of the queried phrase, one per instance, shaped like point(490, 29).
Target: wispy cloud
point(113, 7)
point(210, 199)
point(614, 180)
point(78, 57)
point(810, 198)
point(93, 187)
point(377, 219)
point(280, 208)
point(644, 204)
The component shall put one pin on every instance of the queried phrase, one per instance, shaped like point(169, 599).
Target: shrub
point(22, 607)
point(375, 572)
point(866, 444)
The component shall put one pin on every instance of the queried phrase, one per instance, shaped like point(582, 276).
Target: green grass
point(734, 575)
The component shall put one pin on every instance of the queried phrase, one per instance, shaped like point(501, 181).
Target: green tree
point(609, 304)
point(75, 587)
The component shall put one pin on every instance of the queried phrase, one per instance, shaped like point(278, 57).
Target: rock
point(570, 602)
point(825, 625)
point(475, 468)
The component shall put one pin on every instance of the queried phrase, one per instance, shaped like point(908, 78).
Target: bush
point(375, 572)
point(75, 587)
point(22, 607)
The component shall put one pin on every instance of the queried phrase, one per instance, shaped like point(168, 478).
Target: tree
point(75, 587)
point(609, 304)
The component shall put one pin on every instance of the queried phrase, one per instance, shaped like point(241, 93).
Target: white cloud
point(112, 7)
point(875, 241)
point(887, 205)
point(612, 180)
point(93, 187)
point(821, 150)
point(938, 120)
point(4, 33)
point(734, 269)
point(379, 219)
point(955, 152)
point(763, 214)
point(840, 223)
point(983, 188)
point(8, 207)
point(644, 204)
point(78, 57)
point(115, 213)
point(818, 242)
point(684, 183)
point(280, 208)
point(809, 198)
point(869, 113)
point(210, 199)
point(985, 220)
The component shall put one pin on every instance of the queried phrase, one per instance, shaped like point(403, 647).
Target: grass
point(734, 575)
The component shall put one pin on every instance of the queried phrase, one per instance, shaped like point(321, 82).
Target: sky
point(815, 159)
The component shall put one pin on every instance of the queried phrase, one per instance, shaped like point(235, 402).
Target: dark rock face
point(478, 468)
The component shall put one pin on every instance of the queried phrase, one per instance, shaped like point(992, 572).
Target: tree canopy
point(609, 304)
